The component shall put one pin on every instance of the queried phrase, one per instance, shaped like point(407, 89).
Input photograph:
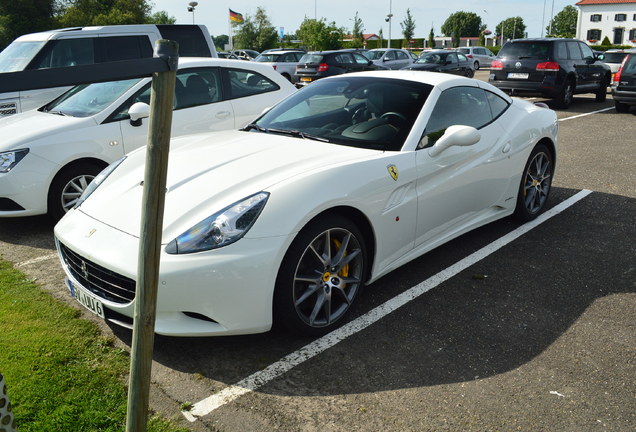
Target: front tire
point(320, 276)
point(535, 184)
point(68, 186)
point(601, 94)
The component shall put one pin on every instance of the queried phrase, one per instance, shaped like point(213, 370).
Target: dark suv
point(316, 65)
point(624, 85)
point(555, 68)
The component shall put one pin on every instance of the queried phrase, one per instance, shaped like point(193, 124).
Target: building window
point(620, 17)
point(593, 35)
point(595, 17)
point(632, 35)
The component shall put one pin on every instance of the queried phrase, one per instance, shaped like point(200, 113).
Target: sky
point(289, 14)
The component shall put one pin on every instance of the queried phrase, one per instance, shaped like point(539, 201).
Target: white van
point(89, 45)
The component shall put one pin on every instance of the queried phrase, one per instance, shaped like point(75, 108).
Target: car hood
point(208, 172)
point(22, 130)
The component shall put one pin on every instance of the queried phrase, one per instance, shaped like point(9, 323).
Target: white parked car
point(392, 58)
point(480, 56)
point(49, 155)
point(336, 186)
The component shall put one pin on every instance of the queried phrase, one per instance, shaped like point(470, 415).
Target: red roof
point(595, 2)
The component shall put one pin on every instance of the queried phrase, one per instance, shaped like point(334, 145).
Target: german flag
point(236, 17)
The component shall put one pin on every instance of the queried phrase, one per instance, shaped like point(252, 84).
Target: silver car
point(480, 56)
point(283, 61)
point(392, 58)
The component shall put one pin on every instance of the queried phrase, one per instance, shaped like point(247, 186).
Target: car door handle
point(223, 114)
point(506, 148)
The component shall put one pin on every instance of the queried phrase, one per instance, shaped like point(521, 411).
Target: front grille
point(100, 281)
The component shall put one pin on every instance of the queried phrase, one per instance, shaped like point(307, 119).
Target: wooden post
point(160, 122)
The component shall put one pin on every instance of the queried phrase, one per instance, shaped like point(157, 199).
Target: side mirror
point(457, 135)
point(138, 111)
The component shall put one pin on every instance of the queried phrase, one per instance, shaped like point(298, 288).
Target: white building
point(615, 19)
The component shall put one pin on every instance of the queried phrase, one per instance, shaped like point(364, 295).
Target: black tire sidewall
point(521, 212)
point(285, 314)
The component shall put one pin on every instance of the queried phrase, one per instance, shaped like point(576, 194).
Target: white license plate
point(516, 75)
point(86, 299)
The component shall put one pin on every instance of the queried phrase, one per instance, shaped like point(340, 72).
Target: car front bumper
point(221, 292)
point(24, 189)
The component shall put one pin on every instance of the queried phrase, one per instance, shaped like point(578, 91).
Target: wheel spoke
point(311, 290)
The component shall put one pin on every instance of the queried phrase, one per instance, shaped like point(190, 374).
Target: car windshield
point(88, 99)
point(521, 50)
point(368, 112)
point(18, 55)
point(432, 58)
point(375, 55)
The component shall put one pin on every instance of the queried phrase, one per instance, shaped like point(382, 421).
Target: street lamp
point(388, 19)
point(191, 7)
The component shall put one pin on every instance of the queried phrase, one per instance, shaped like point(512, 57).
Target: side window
point(114, 48)
point(143, 95)
point(390, 55)
point(497, 104)
point(360, 59)
point(247, 83)
point(574, 51)
point(452, 58)
point(343, 59)
point(401, 55)
point(462, 57)
point(457, 106)
point(561, 51)
point(195, 87)
point(298, 56)
point(65, 52)
point(192, 42)
point(587, 51)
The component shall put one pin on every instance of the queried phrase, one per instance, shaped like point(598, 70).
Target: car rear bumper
point(624, 96)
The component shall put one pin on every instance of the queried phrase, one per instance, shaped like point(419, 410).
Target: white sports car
point(48, 156)
point(337, 185)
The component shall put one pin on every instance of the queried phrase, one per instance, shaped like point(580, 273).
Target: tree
point(105, 12)
point(358, 31)
point(21, 17)
point(161, 17)
point(468, 24)
point(256, 33)
point(513, 28)
point(318, 35)
point(408, 26)
point(431, 39)
point(564, 23)
point(221, 41)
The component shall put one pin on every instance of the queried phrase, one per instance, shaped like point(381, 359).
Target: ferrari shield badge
point(393, 171)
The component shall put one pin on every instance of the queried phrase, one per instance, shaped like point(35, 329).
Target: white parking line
point(587, 114)
point(262, 377)
point(37, 260)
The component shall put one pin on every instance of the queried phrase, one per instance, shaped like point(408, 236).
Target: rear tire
point(476, 65)
point(535, 185)
point(564, 100)
point(621, 107)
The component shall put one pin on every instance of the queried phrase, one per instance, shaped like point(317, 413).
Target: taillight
point(469, 55)
point(548, 67)
point(274, 66)
point(496, 65)
point(322, 67)
point(617, 75)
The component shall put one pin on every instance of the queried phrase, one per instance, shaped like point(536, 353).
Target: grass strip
point(62, 374)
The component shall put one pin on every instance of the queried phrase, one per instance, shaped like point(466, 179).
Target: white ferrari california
point(286, 220)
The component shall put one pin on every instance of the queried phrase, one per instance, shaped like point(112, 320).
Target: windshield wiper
point(251, 126)
point(298, 134)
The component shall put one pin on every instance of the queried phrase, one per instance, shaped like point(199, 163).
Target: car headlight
point(99, 179)
point(10, 159)
point(222, 228)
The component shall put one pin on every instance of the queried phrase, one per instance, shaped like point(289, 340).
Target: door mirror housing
point(457, 135)
point(138, 111)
